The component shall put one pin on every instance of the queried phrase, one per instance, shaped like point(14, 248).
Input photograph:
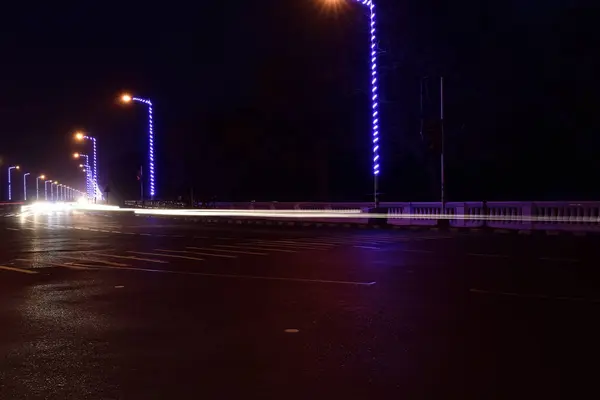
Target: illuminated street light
point(81, 136)
point(9, 181)
point(370, 4)
point(37, 186)
point(46, 189)
point(87, 172)
point(128, 99)
point(52, 192)
point(25, 186)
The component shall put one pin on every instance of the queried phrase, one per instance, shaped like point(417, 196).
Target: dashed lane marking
point(487, 255)
point(79, 259)
point(367, 247)
point(263, 248)
point(21, 270)
point(130, 258)
point(267, 243)
point(246, 277)
point(167, 255)
point(196, 253)
point(322, 244)
point(534, 296)
point(253, 253)
point(13, 229)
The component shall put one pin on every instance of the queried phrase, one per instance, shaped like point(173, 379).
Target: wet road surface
point(123, 307)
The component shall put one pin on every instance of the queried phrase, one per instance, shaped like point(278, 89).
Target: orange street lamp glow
point(79, 136)
point(75, 155)
point(126, 98)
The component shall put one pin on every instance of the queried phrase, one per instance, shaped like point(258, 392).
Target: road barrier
point(520, 216)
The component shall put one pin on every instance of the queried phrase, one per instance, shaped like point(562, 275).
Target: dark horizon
point(270, 100)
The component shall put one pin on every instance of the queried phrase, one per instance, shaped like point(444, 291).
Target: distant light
point(75, 155)
point(126, 98)
point(79, 136)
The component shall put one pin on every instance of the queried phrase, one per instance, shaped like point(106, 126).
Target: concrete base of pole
point(381, 222)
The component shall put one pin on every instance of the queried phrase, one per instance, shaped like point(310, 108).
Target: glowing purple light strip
point(150, 144)
point(10, 183)
point(374, 88)
point(95, 163)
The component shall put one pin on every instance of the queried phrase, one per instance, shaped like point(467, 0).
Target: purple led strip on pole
point(374, 96)
point(150, 144)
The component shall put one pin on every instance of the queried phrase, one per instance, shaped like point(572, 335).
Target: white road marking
point(13, 229)
point(569, 260)
point(243, 246)
point(323, 244)
point(267, 243)
point(145, 234)
point(21, 270)
point(229, 251)
point(230, 276)
point(131, 258)
point(197, 253)
point(79, 259)
point(534, 296)
point(487, 255)
point(166, 255)
point(367, 247)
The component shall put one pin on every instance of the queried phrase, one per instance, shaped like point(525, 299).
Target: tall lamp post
point(25, 186)
point(370, 4)
point(9, 181)
point(46, 189)
point(37, 186)
point(52, 191)
point(81, 136)
point(151, 180)
point(87, 171)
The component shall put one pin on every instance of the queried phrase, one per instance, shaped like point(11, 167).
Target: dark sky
point(268, 100)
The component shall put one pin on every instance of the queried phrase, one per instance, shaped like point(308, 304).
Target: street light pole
point(9, 181)
point(87, 171)
point(151, 180)
point(46, 189)
point(25, 186)
point(82, 136)
point(373, 79)
point(37, 186)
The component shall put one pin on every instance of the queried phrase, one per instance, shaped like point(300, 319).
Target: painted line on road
point(68, 265)
point(196, 253)
point(569, 260)
point(252, 253)
point(13, 229)
point(166, 255)
point(131, 258)
point(263, 248)
point(285, 245)
point(301, 241)
point(14, 269)
point(232, 276)
point(366, 247)
point(79, 259)
point(145, 234)
point(487, 255)
point(534, 296)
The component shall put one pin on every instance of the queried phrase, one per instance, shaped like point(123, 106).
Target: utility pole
point(442, 188)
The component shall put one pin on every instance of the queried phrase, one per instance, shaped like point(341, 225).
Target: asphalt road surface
point(123, 307)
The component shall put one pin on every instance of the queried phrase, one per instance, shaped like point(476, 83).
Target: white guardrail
point(542, 215)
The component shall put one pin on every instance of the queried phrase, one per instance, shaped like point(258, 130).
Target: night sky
point(269, 100)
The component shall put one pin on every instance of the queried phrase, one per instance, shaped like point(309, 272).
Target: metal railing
point(543, 215)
